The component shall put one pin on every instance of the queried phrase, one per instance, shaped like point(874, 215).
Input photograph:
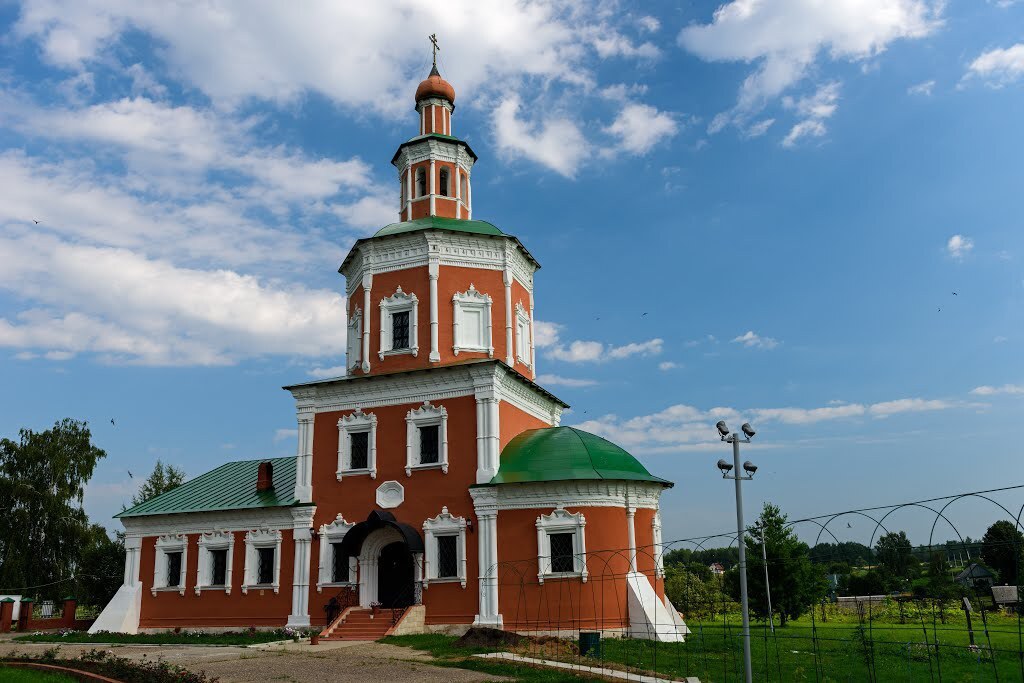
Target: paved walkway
point(291, 663)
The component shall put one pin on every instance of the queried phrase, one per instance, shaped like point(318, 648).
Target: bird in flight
point(954, 294)
point(849, 526)
point(35, 221)
point(112, 422)
point(130, 474)
point(643, 315)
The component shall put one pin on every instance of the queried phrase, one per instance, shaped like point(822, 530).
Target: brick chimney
point(265, 477)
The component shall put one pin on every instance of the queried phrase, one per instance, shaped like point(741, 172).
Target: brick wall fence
point(26, 623)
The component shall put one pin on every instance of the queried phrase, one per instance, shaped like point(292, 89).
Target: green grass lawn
point(183, 638)
point(12, 674)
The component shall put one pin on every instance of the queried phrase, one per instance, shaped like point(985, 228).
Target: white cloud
point(555, 142)
point(648, 23)
point(813, 111)
point(909, 405)
point(959, 246)
point(751, 340)
point(999, 339)
point(592, 351)
point(668, 365)
point(756, 130)
point(785, 38)
point(325, 373)
point(987, 390)
point(924, 88)
point(545, 334)
point(559, 381)
point(639, 127)
point(1000, 66)
point(285, 434)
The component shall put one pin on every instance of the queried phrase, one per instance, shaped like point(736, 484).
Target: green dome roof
point(438, 223)
point(562, 453)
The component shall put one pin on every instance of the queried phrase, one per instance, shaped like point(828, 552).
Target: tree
point(162, 479)
point(1002, 549)
point(940, 583)
point(42, 479)
point(895, 554)
point(796, 583)
point(695, 598)
point(100, 568)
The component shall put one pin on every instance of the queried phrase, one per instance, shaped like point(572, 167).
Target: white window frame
point(254, 540)
point(523, 324)
point(397, 303)
point(469, 300)
point(445, 524)
point(330, 534)
point(214, 540)
point(350, 424)
point(355, 338)
point(560, 522)
point(169, 543)
point(425, 416)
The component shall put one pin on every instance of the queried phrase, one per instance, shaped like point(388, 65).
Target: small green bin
point(590, 643)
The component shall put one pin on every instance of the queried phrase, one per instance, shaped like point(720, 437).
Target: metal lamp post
point(736, 439)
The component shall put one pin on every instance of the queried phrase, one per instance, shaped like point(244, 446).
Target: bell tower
point(434, 168)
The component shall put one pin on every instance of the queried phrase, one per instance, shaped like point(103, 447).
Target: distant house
point(1004, 596)
point(976, 576)
point(716, 568)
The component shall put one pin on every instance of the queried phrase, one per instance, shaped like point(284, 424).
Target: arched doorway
point(395, 576)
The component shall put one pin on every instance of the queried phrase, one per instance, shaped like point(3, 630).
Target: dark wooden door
point(395, 576)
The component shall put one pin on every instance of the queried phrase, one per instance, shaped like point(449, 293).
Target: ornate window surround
point(425, 416)
point(349, 424)
point(561, 521)
point(254, 540)
point(214, 540)
point(355, 338)
point(468, 300)
point(523, 325)
point(445, 524)
point(169, 543)
point(397, 303)
point(334, 533)
point(659, 550)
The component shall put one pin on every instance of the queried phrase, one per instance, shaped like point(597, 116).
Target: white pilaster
point(302, 522)
point(493, 436)
point(533, 345)
point(631, 536)
point(408, 193)
point(132, 547)
point(433, 189)
point(485, 505)
point(659, 551)
point(304, 461)
point(458, 191)
point(469, 198)
point(488, 432)
point(434, 270)
point(510, 353)
point(367, 284)
point(433, 118)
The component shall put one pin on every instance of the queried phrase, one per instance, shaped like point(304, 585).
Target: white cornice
point(569, 494)
point(208, 522)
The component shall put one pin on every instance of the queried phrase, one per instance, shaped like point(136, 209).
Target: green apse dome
point(566, 453)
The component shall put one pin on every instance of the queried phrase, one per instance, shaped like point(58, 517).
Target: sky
point(799, 213)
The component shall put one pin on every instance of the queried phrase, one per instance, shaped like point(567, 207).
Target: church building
point(433, 480)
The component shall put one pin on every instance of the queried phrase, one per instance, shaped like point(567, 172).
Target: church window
point(173, 569)
point(170, 564)
point(401, 195)
point(398, 324)
point(262, 560)
point(335, 567)
point(445, 541)
point(215, 550)
point(426, 438)
point(472, 321)
point(444, 182)
point(421, 182)
point(522, 334)
point(561, 545)
point(339, 565)
point(464, 187)
point(219, 560)
point(357, 445)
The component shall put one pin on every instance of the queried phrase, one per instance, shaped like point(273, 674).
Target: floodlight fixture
point(749, 468)
point(723, 429)
point(724, 466)
point(748, 430)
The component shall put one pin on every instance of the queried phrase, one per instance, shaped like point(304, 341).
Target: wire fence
point(940, 614)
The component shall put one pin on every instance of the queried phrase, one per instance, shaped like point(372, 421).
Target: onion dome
point(435, 86)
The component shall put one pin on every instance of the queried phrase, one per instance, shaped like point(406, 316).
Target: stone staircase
point(358, 623)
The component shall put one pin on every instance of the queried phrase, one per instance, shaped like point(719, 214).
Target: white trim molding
point(390, 494)
point(355, 335)
point(363, 423)
point(561, 522)
point(166, 544)
point(659, 549)
point(208, 542)
point(254, 540)
point(445, 524)
point(426, 415)
point(465, 304)
point(397, 303)
point(330, 534)
point(524, 335)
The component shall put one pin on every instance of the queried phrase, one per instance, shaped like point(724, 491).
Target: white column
point(458, 191)
point(533, 346)
point(408, 193)
point(433, 118)
point(483, 473)
point(659, 565)
point(433, 189)
point(132, 546)
point(367, 284)
point(423, 120)
point(433, 271)
point(304, 461)
point(631, 536)
point(510, 353)
point(485, 505)
point(302, 520)
point(469, 198)
point(493, 436)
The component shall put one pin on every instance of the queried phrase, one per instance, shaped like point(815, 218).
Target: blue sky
point(790, 190)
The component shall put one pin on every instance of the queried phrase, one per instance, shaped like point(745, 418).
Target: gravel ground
point(292, 663)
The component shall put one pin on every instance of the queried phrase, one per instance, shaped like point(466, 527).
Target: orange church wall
point(451, 280)
point(211, 608)
point(565, 603)
point(514, 421)
point(412, 281)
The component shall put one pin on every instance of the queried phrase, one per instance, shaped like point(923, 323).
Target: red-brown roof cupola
point(435, 86)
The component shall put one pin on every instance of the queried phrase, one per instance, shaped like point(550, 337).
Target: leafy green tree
point(162, 479)
point(796, 583)
point(100, 568)
point(42, 479)
point(896, 554)
point(940, 583)
point(1002, 549)
point(871, 582)
point(694, 597)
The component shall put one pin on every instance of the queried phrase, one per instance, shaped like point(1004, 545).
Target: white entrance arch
point(369, 557)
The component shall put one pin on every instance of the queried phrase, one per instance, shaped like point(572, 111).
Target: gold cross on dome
point(433, 39)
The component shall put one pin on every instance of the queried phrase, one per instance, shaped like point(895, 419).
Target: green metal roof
point(562, 453)
point(439, 223)
point(232, 486)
